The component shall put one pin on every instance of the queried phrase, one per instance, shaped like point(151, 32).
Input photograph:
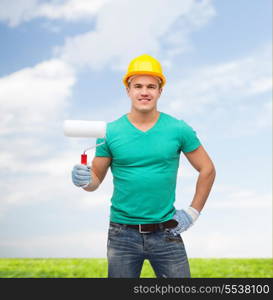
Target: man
point(143, 149)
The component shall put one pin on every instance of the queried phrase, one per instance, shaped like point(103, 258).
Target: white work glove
point(185, 219)
point(81, 175)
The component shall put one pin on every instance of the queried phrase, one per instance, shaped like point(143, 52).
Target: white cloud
point(261, 85)
point(99, 198)
point(222, 85)
point(48, 178)
point(235, 95)
point(32, 101)
point(238, 198)
point(15, 12)
point(264, 118)
point(142, 26)
point(250, 118)
point(32, 97)
point(235, 222)
point(70, 10)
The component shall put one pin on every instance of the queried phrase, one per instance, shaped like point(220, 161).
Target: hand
point(185, 219)
point(81, 175)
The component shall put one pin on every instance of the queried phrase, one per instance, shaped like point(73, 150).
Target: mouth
point(144, 100)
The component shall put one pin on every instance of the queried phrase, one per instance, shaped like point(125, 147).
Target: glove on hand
point(185, 219)
point(81, 175)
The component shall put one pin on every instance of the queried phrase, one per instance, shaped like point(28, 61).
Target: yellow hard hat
point(144, 65)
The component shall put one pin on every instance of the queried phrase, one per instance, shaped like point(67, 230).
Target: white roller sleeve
point(78, 128)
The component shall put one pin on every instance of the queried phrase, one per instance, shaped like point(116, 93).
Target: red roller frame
point(84, 159)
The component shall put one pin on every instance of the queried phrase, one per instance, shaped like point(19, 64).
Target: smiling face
point(144, 91)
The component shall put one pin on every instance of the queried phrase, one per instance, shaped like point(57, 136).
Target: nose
point(144, 92)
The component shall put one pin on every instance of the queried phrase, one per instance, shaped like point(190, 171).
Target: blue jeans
point(127, 248)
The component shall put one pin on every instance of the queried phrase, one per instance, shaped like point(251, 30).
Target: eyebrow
point(149, 84)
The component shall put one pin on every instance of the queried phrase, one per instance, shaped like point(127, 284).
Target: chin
point(145, 109)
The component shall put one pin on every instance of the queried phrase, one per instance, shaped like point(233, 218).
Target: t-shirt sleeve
point(189, 139)
point(102, 150)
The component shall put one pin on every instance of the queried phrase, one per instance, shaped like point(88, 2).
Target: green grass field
point(97, 268)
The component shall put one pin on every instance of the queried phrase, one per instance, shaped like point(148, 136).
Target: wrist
point(94, 183)
point(194, 213)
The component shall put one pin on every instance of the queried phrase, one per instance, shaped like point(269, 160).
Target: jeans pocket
point(114, 230)
point(170, 237)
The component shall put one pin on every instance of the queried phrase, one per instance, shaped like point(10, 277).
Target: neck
point(143, 117)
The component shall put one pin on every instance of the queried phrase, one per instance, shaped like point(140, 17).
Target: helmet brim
point(130, 74)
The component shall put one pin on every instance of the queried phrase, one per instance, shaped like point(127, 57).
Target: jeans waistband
point(147, 228)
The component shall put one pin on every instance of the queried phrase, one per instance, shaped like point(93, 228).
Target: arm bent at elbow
point(201, 161)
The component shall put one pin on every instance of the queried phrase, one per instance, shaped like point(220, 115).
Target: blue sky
point(65, 60)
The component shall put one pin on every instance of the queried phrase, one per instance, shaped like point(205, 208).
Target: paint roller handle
point(84, 156)
point(84, 159)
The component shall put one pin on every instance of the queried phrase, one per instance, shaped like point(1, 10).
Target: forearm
point(95, 182)
point(203, 187)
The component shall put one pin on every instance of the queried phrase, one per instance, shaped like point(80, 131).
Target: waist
point(148, 228)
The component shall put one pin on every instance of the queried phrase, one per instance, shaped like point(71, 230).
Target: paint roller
point(85, 129)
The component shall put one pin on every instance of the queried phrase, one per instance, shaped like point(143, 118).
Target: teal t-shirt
point(144, 167)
